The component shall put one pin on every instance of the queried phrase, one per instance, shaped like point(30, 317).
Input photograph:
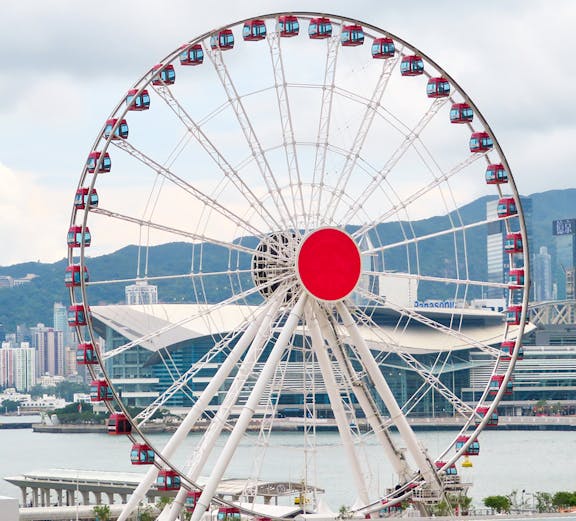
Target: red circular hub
point(329, 264)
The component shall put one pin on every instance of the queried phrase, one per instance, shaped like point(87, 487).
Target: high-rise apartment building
point(17, 366)
point(6, 365)
point(50, 350)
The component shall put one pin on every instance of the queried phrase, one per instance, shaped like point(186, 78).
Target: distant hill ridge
point(32, 302)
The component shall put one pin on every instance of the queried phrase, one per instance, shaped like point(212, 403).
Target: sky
point(65, 64)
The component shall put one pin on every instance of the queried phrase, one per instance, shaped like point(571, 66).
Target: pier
point(66, 491)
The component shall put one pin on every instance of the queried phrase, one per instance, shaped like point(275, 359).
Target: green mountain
point(32, 303)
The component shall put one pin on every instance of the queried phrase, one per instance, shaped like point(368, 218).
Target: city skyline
point(56, 95)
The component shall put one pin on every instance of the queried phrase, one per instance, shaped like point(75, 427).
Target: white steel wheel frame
point(255, 149)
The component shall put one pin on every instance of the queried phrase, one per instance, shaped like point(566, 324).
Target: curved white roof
point(163, 325)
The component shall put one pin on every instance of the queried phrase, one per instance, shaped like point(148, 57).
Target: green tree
point(344, 512)
point(451, 503)
point(9, 406)
point(102, 512)
point(564, 499)
point(498, 503)
point(164, 501)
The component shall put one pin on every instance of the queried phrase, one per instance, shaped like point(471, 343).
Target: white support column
point(319, 349)
point(394, 455)
point(210, 437)
point(193, 415)
point(248, 409)
point(397, 416)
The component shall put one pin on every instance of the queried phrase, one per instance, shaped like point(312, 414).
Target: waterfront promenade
point(566, 423)
point(85, 513)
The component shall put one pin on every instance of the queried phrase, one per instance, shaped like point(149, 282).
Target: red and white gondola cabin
point(461, 113)
point(254, 30)
point(496, 174)
point(77, 315)
point(141, 454)
point(222, 40)
point(191, 54)
point(506, 207)
point(74, 275)
point(438, 88)
point(513, 314)
point(137, 101)
point(228, 514)
point(168, 480)
point(81, 198)
point(516, 278)
point(320, 28)
point(94, 158)
point(121, 131)
point(76, 237)
point(86, 354)
point(496, 382)
point(472, 450)
point(481, 413)
point(288, 26)
point(165, 74)
point(507, 349)
point(383, 48)
point(100, 391)
point(513, 243)
point(480, 142)
point(118, 424)
point(412, 65)
point(352, 35)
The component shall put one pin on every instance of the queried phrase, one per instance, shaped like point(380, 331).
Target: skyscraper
point(542, 275)
point(564, 231)
point(498, 262)
point(61, 323)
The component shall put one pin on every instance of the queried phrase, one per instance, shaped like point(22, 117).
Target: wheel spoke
point(319, 172)
point(427, 375)
point(198, 195)
point(412, 136)
point(359, 139)
point(288, 140)
point(433, 324)
point(415, 196)
point(235, 101)
point(441, 280)
point(229, 172)
point(175, 231)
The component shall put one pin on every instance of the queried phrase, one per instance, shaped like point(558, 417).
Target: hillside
point(32, 303)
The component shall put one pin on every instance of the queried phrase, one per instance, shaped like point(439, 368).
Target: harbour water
point(528, 461)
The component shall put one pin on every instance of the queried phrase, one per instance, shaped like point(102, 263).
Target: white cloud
point(34, 221)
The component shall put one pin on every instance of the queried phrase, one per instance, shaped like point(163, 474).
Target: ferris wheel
point(297, 192)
